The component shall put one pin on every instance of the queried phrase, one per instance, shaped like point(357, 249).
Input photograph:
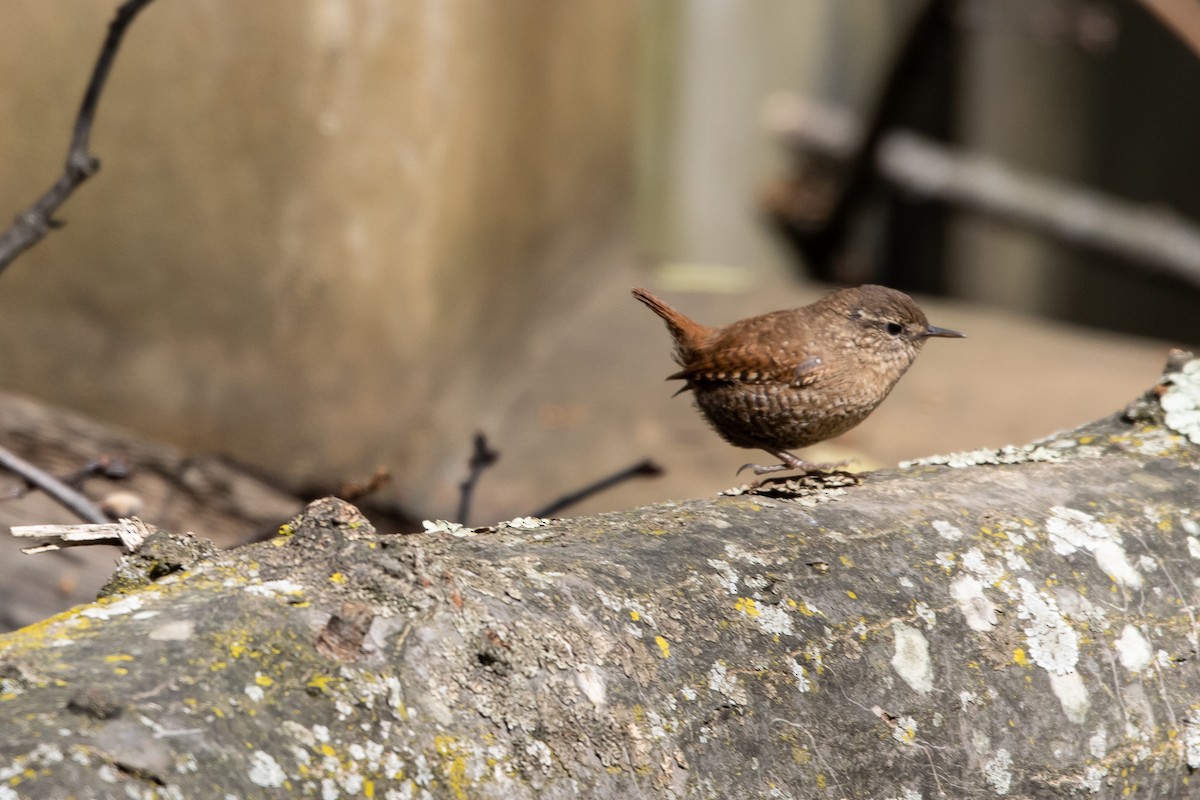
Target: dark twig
point(58, 491)
point(114, 468)
point(31, 226)
point(643, 469)
point(482, 457)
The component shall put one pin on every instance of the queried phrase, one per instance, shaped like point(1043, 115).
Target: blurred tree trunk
point(1017, 622)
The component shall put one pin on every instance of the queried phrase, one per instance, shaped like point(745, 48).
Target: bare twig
point(643, 469)
point(31, 226)
point(127, 533)
point(1149, 235)
point(64, 495)
point(482, 457)
point(351, 491)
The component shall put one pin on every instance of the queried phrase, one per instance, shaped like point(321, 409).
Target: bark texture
point(1016, 623)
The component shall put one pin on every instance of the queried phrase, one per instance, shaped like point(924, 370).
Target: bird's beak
point(943, 332)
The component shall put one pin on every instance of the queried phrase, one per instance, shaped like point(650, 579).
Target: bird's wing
point(741, 361)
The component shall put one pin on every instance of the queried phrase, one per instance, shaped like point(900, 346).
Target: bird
point(792, 378)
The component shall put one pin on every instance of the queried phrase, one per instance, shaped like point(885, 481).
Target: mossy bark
point(1022, 625)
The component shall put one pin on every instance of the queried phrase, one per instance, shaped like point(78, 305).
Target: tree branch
point(1152, 236)
point(31, 226)
point(1018, 623)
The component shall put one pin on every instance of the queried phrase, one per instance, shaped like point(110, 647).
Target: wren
point(796, 377)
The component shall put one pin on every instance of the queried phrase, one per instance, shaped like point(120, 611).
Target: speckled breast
point(779, 416)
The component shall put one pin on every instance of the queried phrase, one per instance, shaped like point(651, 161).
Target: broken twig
point(127, 533)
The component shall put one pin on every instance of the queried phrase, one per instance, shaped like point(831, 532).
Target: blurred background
point(336, 236)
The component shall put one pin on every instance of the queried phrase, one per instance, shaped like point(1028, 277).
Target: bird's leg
point(790, 461)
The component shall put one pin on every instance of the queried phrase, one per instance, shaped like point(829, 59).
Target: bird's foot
point(793, 463)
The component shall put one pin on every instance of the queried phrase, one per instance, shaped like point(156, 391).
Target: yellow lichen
point(664, 646)
point(320, 682)
point(454, 765)
point(747, 606)
point(1020, 658)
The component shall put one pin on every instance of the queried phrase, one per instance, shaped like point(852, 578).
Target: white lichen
point(774, 620)
point(1181, 401)
point(911, 658)
point(525, 523)
point(720, 681)
point(446, 526)
point(979, 612)
point(125, 605)
point(1008, 454)
point(726, 576)
point(1098, 743)
point(946, 530)
point(974, 562)
point(265, 770)
point(275, 588)
point(1053, 643)
point(1071, 530)
point(905, 730)
point(1072, 696)
point(1133, 650)
point(1093, 778)
point(1191, 739)
point(737, 553)
point(802, 682)
point(590, 681)
point(998, 772)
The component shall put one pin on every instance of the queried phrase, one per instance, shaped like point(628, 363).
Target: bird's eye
point(894, 328)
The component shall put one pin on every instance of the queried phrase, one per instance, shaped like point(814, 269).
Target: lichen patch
point(911, 658)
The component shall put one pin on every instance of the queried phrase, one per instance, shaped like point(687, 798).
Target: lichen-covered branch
point(1018, 623)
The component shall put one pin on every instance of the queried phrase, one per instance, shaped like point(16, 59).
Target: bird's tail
point(688, 335)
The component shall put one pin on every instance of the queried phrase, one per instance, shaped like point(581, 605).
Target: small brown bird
point(797, 377)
